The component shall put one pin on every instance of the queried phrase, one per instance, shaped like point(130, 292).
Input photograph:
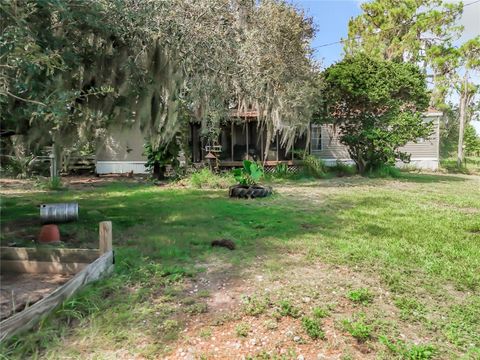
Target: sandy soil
point(18, 291)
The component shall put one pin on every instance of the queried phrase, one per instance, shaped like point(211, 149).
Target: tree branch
point(22, 99)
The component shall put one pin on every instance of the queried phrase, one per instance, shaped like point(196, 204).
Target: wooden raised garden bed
point(34, 281)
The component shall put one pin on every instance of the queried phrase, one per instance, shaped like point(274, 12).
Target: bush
point(206, 179)
point(342, 169)
point(313, 166)
point(18, 167)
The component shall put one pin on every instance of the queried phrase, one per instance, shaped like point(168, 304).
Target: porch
point(243, 139)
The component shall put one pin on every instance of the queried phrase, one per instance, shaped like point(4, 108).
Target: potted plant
point(247, 178)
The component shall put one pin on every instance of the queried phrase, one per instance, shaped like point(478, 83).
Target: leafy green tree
point(377, 106)
point(472, 141)
point(459, 69)
point(70, 68)
point(403, 30)
point(449, 132)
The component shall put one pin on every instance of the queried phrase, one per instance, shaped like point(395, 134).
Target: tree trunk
point(158, 171)
point(461, 129)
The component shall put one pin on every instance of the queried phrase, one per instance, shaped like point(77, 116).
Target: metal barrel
point(58, 213)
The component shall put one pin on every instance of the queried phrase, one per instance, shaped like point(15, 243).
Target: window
point(316, 138)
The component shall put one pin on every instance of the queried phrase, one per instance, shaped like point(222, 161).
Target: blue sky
point(331, 20)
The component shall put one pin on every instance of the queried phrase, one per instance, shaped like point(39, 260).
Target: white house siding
point(331, 150)
point(424, 153)
point(121, 151)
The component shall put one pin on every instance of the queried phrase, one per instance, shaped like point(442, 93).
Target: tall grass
point(206, 179)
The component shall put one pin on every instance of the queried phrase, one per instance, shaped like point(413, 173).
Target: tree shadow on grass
point(429, 178)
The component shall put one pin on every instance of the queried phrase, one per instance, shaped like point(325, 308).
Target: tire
point(246, 192)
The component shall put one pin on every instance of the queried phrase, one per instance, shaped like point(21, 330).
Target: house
point(241, 138)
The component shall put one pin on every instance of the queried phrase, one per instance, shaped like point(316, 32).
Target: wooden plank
point(30, 316)
point(49, 254)
point(105, 236)
point(32, 266)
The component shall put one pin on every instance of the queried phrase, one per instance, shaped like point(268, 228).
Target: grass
point(471, 165)
point(419, 234)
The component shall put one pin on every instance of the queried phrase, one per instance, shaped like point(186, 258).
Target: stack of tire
point(249, 191)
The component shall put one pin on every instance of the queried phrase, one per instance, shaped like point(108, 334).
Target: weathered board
point(45, 260)
point(38, 267)
point(30, 316)
point(49, 254)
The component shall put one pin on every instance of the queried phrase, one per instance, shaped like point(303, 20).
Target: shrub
point(205, 178)
point(159, 158)
point(313, 328)
point(314, 167)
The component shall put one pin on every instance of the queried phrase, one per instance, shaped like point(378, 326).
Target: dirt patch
point(20, 290)
point(215, 334)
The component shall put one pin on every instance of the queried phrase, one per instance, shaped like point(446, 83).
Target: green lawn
point(403, 255)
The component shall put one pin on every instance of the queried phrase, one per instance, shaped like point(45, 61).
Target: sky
point(331, 21)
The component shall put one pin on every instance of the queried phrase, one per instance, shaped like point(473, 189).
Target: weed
point(410, 352)
point(54, 184)
point(313, 327)
point(314, 167)
point(242, 329)
point(204, 293)
point(254, 306)
point(287, 309)
point(341, 169)
point(271, 324)
point(205, 178)
point(358, 328)
point(385, 171)
point(205, 333)
point(410, 308)
point(170, 329)
point(281, 171)
point(198, 308)
point(320, 313)
point(169, 325)
point(188, 301)
point(362, 296)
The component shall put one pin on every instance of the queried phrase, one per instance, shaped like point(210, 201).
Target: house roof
point(431, 111)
